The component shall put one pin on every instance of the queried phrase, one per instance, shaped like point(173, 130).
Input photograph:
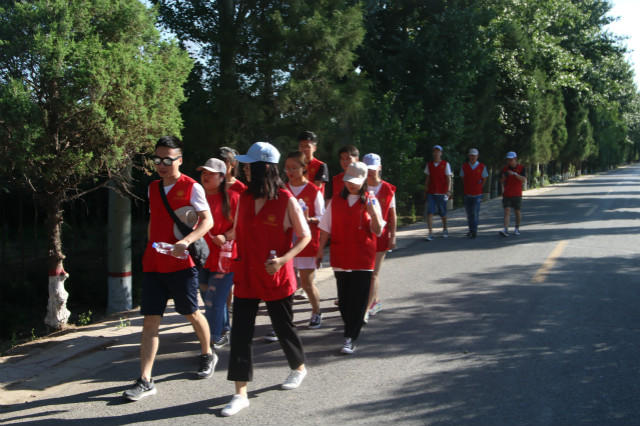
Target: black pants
point(243, 326)
point(353, 295)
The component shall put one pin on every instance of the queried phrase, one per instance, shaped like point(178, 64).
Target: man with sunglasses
point(167, 276)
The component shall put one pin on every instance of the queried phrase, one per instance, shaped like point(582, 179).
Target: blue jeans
point(215, 303)
point(472, 206)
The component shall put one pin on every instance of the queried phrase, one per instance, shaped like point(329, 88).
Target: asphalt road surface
point(540, 329)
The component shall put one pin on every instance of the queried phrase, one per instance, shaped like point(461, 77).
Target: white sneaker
point(429, 237)
point(445, 233)
point(504, 232)
point(516, 232)
point(294, 379)
point(348, 347)
point(237, 403)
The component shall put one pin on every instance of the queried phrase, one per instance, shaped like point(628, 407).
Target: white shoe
point(294, 379)
point(237, 403)
point(348, 347)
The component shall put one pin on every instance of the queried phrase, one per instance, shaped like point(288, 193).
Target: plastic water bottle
point(372, 198)
point(166, 248)
point(305, 209)
point(272, 255)
point(224, 260)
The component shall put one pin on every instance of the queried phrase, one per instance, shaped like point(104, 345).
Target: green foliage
point(84, 87)
point(84, 319)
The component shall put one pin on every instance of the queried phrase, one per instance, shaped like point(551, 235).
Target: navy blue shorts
point(436, 204)
point(159, 287)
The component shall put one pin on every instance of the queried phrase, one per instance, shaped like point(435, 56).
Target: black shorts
point(513, 202)
point(159, 287)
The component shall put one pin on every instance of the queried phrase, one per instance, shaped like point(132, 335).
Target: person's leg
point(444, 223)
point(201, 327)
point(375, 282)
point(518, 216)
point(468, 208)
point(430, 222)
point(242, 329)
point(358, 295)
point(184, 290)
point(216, 303)
point(477, 200)
point(507, 213)
point(307, 277)
point(203, 282)
point(149, 342)
point(342, 286)
point(281, 315)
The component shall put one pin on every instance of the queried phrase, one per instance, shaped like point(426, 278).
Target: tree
point(268, 68)
point(85, 86)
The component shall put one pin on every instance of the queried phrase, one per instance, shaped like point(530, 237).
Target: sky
point(627, 25)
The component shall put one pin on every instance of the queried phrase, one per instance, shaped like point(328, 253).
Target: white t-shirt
point(447, 172)
point(198, 197)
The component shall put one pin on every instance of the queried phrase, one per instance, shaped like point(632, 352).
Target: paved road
point(537, 329)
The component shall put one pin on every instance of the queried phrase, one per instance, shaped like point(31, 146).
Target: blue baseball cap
point(260, 151)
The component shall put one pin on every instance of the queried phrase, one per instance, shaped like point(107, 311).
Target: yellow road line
point(541, 275)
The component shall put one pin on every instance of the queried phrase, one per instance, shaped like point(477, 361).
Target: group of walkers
point(265, 238)
point(438, 188)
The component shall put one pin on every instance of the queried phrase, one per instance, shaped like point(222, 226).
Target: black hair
point(349, 149)
point(265, 180)
point(300, 158)
point(172, 142)
point(226, 208)
point(308, 136)
point(362, 193)
point(228, 155)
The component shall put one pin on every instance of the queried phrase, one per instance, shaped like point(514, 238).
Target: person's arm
point(301, 228)
point(377, 224)
point(324, 238)
point(426, 186)
point(204, 224)
point(393, 225)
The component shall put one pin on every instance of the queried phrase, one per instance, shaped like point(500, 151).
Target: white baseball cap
point(260, 151)
point(355, 173)
point(437, 147)
point(214, 165)
point(373, 161)
point(473, 151)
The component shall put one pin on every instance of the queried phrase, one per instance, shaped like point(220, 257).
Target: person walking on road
point(474, 175)
point(317, 171)
point(311, 200)
point(217, 273)
point(385, 193)
point(353, 220)
point(267, 215)
point(347, 154)
point(514, 175)
point(170, 276)
point(437, 190)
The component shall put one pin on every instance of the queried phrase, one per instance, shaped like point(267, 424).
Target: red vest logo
point(271, 220)
point(180, 194)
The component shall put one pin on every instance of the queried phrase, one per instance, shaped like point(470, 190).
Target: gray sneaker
point(429, 237)
point(445, 233)
point(222, 342)
point(140, 389)
point(516, 232)
point(207, 365)
point(504, 232)
point(271, 337)
point(315, 321)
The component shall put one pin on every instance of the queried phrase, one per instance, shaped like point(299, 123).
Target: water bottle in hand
point(224, 261)
point(166, 248)
point(272, 255)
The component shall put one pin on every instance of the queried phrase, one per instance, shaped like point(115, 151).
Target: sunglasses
point(167, 161)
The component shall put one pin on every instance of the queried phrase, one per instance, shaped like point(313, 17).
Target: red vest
point(161, 226)
point(312, 170)
point(385, 196)
point(353, 245)
point(338, 183)
point(472, 179)
point(309, 194)
point(256, 236)
point(437, 178)
point(512, 186)
point(220, 225)
point(237, 186)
